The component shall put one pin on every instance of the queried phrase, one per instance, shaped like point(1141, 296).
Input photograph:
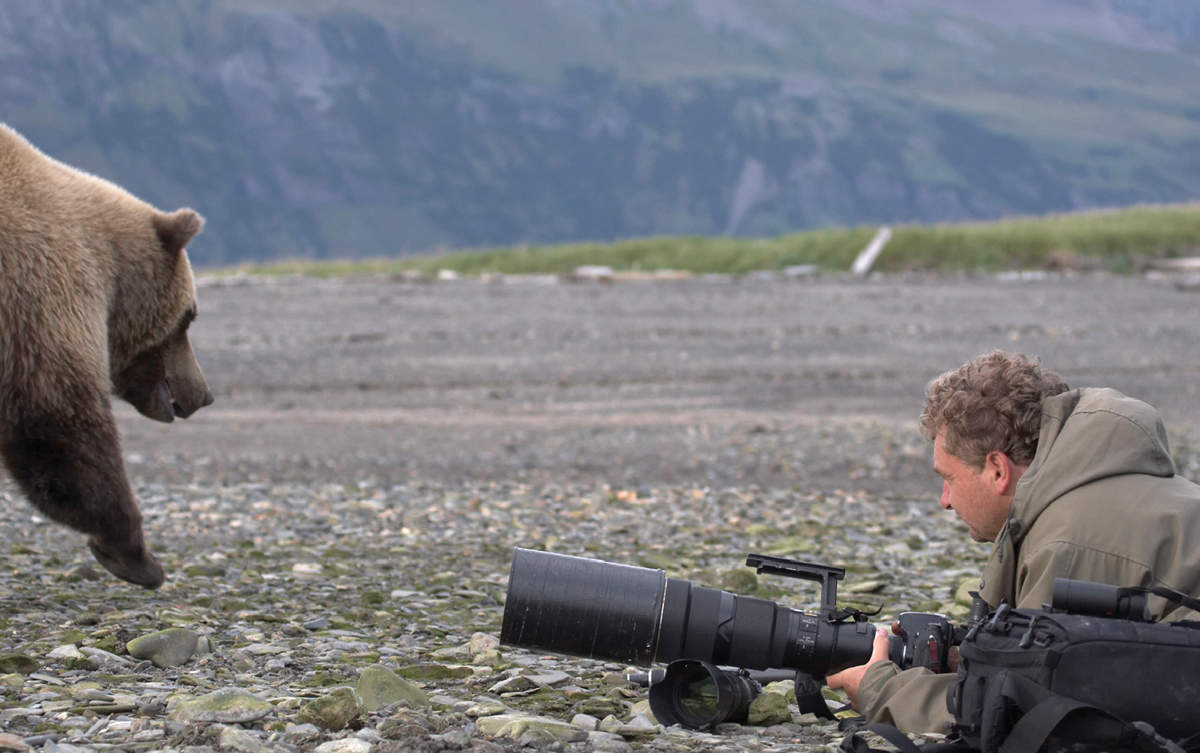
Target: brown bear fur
point(96, 295)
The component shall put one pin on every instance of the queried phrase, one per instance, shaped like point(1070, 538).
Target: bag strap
point(1171, 595)
point(809, 698)
point(1036, 725)
point(852, 743)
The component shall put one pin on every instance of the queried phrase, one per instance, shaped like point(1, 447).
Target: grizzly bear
point(96, 295)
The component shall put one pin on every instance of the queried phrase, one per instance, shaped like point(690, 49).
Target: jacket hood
point(1086, 435)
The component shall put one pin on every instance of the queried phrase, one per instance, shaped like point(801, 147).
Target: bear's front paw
point(139, 567)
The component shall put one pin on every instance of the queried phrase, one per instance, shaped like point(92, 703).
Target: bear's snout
point(185, 408)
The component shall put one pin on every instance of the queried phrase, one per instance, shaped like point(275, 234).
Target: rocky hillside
point(372, 128)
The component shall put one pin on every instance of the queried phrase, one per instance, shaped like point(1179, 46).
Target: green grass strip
point(1122, 241)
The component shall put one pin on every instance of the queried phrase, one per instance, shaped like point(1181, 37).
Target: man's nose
point(946, 496)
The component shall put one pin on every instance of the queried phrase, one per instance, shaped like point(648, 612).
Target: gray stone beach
point(338, 527)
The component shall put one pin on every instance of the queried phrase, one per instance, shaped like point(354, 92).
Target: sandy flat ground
point(812, 383)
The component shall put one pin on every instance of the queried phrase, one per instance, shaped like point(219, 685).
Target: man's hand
point(848, 679)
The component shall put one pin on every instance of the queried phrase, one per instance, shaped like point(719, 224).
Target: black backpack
point(1029, 678)
point(1026, 677)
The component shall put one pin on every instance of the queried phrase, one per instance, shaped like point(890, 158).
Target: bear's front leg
point(69, 466)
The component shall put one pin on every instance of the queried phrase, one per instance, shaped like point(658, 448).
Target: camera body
point(922, 639)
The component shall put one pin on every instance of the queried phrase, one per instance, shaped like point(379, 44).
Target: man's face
point(972, 493)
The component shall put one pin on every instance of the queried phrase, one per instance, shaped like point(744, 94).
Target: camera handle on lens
point(809, 698)
point(826, 575)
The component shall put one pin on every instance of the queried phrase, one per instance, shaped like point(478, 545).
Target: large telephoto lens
point(596, 609)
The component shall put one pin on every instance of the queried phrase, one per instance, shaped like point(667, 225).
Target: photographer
point(1067, 483)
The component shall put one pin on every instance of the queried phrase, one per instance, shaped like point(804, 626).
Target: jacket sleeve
point(913, 700)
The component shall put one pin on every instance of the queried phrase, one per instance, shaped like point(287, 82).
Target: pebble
point(379, 686)
point(227, 705)
point(13, 743)
point(165, 648)
point(67, 652)
point(271, 648)
point(334, 710)
point(344, 745)
point(242, 740)
point(517, 726)
point(98, 658)
point(18, 664)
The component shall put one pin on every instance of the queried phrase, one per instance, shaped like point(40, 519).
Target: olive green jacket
point(1100, 502)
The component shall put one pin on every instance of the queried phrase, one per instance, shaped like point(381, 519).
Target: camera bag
point(1026, 677)
point(1029, 679)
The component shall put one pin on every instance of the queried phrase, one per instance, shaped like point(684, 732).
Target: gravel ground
point(344, 515)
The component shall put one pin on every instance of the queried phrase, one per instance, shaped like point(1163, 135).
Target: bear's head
point(154, 303)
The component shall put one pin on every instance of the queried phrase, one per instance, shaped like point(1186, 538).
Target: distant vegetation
point(373, 128)
point(1124, 240)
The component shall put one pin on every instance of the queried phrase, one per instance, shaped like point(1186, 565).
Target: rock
point(12, 743)
point(18, 664)
point(431, 671)
point(767, 709)
point(865, 586)
point(607, 742)
point(609, 723)
point(11, 680)
point(491, 658)
point(69, 652)
point(98, 658)
point(518, 684)
point(345, 745)
point(332, 711)
point(379, 686)
point(638, 726)
point(166, 648)
point(482, 642)
point(452, 653)
point(243, 740)
point(227, 705)
point(301, 733)
point(551, 678)
point(585, 722)
point(517, 726)
point(486, 707)
point(56, 747)
point(600, 706)
point(457, 737)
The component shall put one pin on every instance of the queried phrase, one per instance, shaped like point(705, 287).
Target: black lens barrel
point(1099, 600)
point(583, 607)
point(596, 609)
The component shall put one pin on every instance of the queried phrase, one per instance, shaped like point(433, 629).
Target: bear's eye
point(186, 320)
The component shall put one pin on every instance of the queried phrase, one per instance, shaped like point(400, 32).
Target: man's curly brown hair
point(992, 402)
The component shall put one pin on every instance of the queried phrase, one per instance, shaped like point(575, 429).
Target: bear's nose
point(208, 399)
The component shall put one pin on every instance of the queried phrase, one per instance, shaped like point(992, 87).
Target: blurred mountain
point(355, 128)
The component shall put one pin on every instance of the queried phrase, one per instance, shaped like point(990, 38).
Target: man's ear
point(1002, 472)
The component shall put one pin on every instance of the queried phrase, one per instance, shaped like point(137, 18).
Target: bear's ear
point(177, 228)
